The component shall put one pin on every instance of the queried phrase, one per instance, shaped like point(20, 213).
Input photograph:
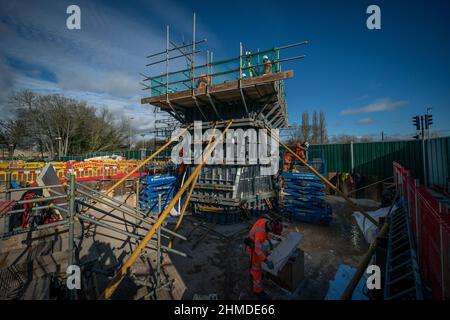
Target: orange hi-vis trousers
point(259, 236)
point(256, 272)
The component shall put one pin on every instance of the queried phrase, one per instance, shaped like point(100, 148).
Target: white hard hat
point(265, 58)
point(247, 52)
point(306, 144)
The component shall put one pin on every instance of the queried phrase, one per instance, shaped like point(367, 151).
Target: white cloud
point(376, 106)
point(105, 56)
point(114, 82)
point(100, 63)
point(367, 120)
point(118, 106)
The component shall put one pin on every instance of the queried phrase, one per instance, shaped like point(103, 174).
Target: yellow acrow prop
point(188, 198)
point(210, 209)
point(115, 282)
point(325, 180)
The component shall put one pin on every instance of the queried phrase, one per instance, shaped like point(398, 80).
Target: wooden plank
point(228, 86)
point(223, 96)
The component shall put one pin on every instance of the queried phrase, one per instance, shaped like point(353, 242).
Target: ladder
point(402, 281)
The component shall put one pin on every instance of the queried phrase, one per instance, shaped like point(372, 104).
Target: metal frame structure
point(78, 194)
point(115, 282)
point(269, 108)
point(252, 102)
point(171, 46)
point(240, 103)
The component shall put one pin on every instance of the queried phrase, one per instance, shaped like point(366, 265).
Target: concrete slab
point(281, 253)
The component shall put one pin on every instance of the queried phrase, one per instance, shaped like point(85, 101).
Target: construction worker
point(182, 166)
point(267, 65)
point(279, 188)
point(258, 246)
point(202, 81)
point(247, 66)
point(301, 150)
point(287, 161)
point(305, 146)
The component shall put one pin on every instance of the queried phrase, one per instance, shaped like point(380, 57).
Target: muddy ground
point(217, 263)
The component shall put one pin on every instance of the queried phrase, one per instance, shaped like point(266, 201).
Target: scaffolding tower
point(248, 89)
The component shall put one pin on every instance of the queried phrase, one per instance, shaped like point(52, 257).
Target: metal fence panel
point(438, 161)
point(337, 156)
point(431, 226)
point(368, 158)
point(376, 157)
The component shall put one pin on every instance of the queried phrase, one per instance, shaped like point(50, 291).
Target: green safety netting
point(250, 65)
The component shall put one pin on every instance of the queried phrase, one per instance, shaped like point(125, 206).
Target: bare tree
point(365, 139)
point(12, 132)
point(315, 137)
point(24, 102)
point(305, 128)
point(344, 138)
point(323, 129)
point(57, 124)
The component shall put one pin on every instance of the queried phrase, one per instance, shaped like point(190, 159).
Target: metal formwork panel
point(232, 185)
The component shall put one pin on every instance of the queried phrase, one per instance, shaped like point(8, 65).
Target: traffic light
point(416, 122)
point(428, 121)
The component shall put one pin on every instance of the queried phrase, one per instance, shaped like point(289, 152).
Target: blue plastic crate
point(303, 201)
point(154, 185)
point(316, 216)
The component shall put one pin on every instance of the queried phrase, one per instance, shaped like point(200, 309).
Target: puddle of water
point(346, 230)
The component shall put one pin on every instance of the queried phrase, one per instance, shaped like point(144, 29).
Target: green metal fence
point(128, 154)
point(373, 158)
point(337, 156)
point(438, 161)
point(376, 158)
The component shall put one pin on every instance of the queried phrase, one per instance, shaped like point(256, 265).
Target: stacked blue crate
point(303, 194)
point(152, 186)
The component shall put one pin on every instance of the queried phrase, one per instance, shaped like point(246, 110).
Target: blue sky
point(366, 81)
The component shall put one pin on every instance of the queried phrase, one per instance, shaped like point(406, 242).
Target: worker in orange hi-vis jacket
point(301, 150)
point(203, 81)
point(287, 162)
point(258, 246)
point(182, 166)
point(267, 65)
